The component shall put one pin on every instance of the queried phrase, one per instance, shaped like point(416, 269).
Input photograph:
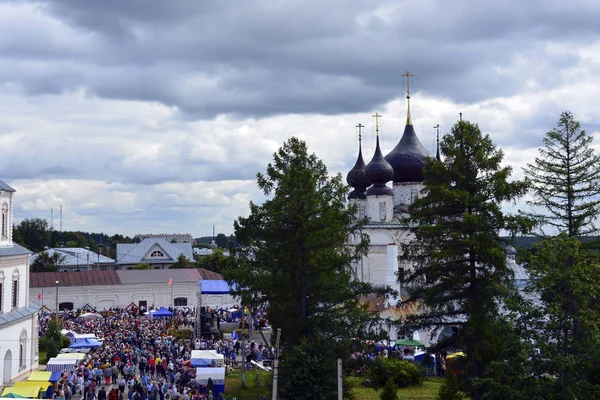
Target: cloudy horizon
point(155, 117)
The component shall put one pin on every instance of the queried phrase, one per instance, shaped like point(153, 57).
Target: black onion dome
point(408, 157)
point(357, 177)
point(380, 172)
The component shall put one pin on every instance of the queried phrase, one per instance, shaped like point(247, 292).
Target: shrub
point(390, 391)
point(51, 348)
point(451, 389)
point(401, 372)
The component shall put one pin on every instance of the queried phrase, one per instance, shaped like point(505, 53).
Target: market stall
point(217, 375)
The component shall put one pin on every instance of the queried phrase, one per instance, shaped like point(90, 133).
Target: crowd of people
point(140, 357)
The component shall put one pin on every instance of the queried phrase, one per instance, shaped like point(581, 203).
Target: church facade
point(18, 315)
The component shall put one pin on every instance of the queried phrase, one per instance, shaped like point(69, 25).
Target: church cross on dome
point(360, 126)
point(408, 75)
point(377, 116)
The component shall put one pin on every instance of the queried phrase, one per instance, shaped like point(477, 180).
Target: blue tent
point(162, 312)
point(85, 343)
point(214, 287)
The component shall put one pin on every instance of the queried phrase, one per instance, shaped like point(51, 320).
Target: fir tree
point(459, 267)
point(566, 179)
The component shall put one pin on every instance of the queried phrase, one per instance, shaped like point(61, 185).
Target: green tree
point(292, 259)
point(217, 261)
point(459, 269)
point(182, 262)
point(35, 233)
point(142, 266)
point(221, 240)
point(564, 318)
point(566, 179)
point(46, 262)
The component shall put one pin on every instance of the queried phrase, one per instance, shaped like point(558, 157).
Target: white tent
point(208, 355)
point(217, 375)
point(59, 364)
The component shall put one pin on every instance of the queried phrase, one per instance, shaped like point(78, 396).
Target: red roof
point(79, 278)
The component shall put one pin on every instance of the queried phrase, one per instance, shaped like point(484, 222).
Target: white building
point(125, 288)
point(158, 252)
point(171, 237)
point(18, 316)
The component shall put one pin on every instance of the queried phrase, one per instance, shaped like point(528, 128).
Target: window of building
point(361, 211)
point(4, 225)
point(156, 254)
point(382, 211)
point(414, 193)
point(67, 305)
point(23, 350)
point(401, 275)
point(180, 301)
point(15, 290)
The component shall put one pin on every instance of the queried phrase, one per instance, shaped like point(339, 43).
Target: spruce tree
point(459, 270)
point(293, 260)
point(565, 179)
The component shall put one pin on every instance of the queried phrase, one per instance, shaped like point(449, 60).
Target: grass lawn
point(233, 386)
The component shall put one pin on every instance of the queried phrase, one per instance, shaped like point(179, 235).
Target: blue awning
point(213, 287)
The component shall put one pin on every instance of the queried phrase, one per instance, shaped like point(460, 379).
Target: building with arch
point(18, 315)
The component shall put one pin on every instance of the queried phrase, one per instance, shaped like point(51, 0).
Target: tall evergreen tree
point(458, 262)
point(566, 179)
point(292, 259)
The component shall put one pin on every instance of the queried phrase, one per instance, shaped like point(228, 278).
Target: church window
point(4, 227)
point(15, 290)
point(361, 211)
point(382, 211)
point(414, 193)
point(156, 254)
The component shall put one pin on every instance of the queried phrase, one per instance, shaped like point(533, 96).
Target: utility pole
point(56, 309)
point(276, 365)
point(339, 370)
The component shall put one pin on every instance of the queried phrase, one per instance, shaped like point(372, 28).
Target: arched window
point(4, 221)
point(23, 350)
point(15, 289)
point(1, 291)
point(157, 254)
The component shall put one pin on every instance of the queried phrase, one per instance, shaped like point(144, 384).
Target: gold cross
point(377, 116)
point(407, 75)
point(360, 126)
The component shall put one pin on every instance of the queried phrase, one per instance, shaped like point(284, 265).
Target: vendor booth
point(72, 356)
point(28, 392)
point(206, 358)
point(45, 388)
point(85, 343)
point(162, 312)
point(217, 375)
point(59, 364)
point(39, 376)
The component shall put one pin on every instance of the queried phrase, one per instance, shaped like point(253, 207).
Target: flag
point(39, 295)
point(170, 281)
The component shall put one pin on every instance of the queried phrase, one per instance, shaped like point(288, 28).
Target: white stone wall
point(106, 296)
point(11, 268)
point(406, 192)
point(374, 208)
point(361, 207)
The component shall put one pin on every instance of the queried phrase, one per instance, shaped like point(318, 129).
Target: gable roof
point(14, 250)
point(6, 188)
point(80, 278)
point(77, 256)
point(135, 253)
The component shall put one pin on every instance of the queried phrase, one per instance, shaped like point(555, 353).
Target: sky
point(151, 116)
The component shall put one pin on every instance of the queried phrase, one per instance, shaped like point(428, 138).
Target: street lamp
point(56, 301)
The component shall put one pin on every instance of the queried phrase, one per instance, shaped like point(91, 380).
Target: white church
point(18, 316)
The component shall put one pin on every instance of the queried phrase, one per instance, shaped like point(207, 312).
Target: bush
point(51, 348)
point(390, 391)
point(400, 372)
point(451, 389)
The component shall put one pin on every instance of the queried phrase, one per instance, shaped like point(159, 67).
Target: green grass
point(43, 357)
point(233, 386)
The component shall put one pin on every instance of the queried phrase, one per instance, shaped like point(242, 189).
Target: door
point(144, 304)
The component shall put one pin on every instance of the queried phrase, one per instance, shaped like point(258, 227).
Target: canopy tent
point(72, 356)
point(13, 396)
point(214, 287)
point(90, 315)
point(45, 387)
point(162, 312)
point(217, 375)
point(206, 358)
point(59, 364)
point(89, 343)
point(39, 376)
point(409, 342)
point(55, 377)
point(31, 392)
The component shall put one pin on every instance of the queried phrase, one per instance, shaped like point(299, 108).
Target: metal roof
point(158, 275)
point(19, 314)
point(134, 253)
point(80, 278)
point(5, 187)
point(14, 250)
point(77, 256)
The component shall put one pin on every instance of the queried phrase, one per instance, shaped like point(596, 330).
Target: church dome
point(408, 158)
point(357, 178)
point(380, 172)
